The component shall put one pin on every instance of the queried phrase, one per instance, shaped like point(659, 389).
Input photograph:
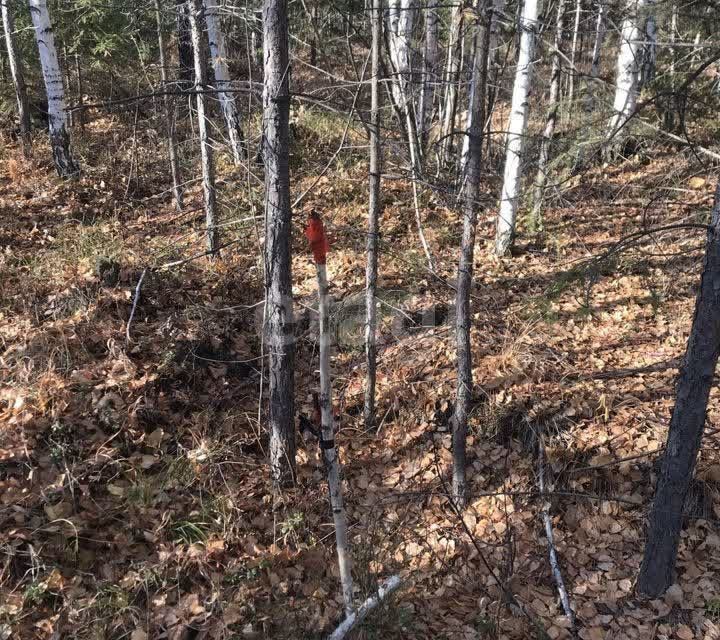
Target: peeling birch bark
point(628, 72)
point(223, 84)
point(549, 132)
point(517, 127)
point(65, 164)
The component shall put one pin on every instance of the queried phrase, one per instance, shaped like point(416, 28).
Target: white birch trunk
point(450, 81)
point(400, 16)
point(431, 56)
point(57, 116)
point(223, 84)
point(573, 55)
point(206, 150)
point(355, 618)
point(374, 212)
point(549, 132)
point(327, 444)
point(596, 55)
point(169, 114)
point(628, 71)
point(517, 127)
point(18, 78)
point(673, 38)
point(400, 21)
point(672, 106)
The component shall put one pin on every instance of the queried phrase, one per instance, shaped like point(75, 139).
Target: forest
point(363, 319)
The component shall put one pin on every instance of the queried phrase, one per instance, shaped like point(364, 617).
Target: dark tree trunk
point(18, 77)
point(200, 56)
point(169, 113)
point(467, 255)
point(373, 219)
point(184, 43)
point(686, 425)
point(278, 274)
point(431, 55)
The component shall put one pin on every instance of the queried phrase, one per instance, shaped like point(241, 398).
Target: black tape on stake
point(327, 444)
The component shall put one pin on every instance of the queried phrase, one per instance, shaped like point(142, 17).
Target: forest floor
point(134, 493)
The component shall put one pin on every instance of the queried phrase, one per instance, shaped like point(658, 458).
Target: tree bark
point(18, 77)
point(549, 132)
point(184, 43)
point(686, 425)
point(596, 55)
point(278, 265)
point(206, 149)
point(431, 55)
point(80, 92)
point(452, 71)
point(628, 71)
point(169, 114)
point(467, 254)
point(374, 212)
point(330, 453)
point(573, 56)
point(65, 164)
point(401, 15)
point(517, 128)
point(649, 51)
point(672, 106)
point(223, 84)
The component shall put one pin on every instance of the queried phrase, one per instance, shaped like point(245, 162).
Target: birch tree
point(17, 75)
point(672, 108)
point(223, 84)
point(596, 55)
point(628, 71)
point(509, 199)
point(401, 14)
point(65, 164)
point(452, 70)
point(467, 254)
point(315, 233)
point(207, 157)
point(400, 17)
point(549, 132)
point(374, 211)
point(169, 113)
point(686, 425)
point(431, 56)
point(278, 265)
point(573, 55)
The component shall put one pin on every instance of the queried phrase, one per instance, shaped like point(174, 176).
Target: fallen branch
point(357, 616)
point(135, 303)
point(547, 520)
point(671, 136)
